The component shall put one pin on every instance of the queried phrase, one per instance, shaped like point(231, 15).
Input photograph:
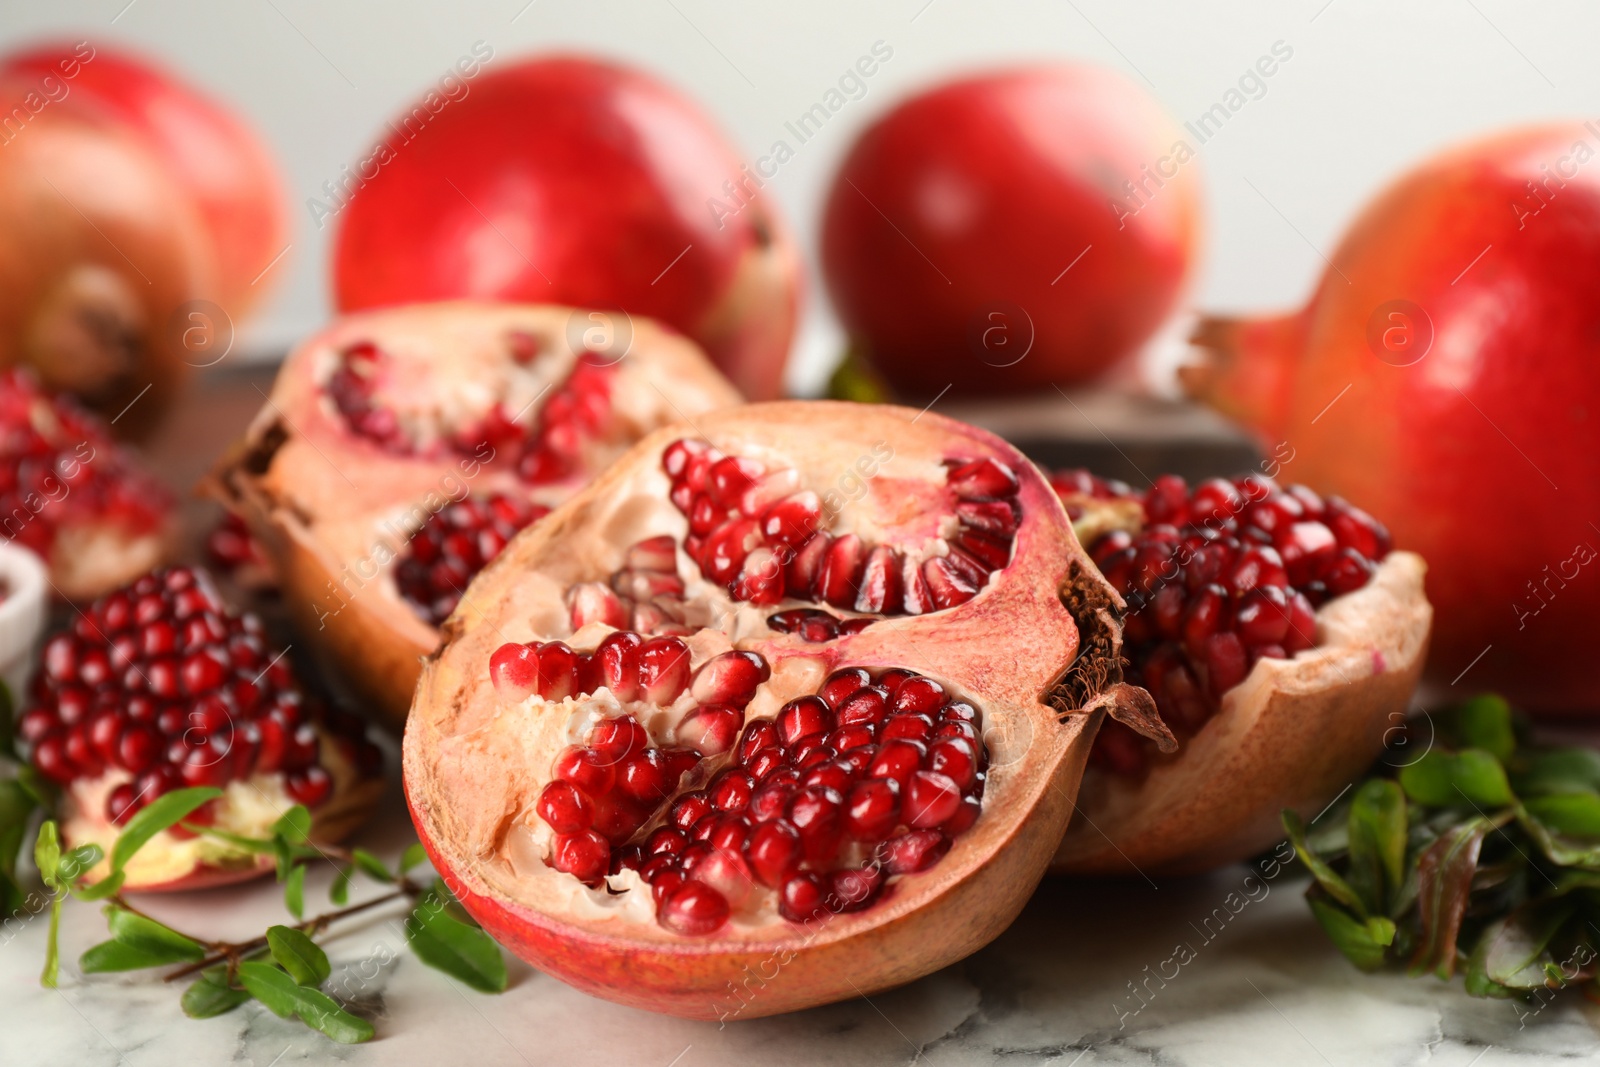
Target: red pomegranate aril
point(856, 888)
point(138, 748)
point(982, 479)
point(897, 759)
point(587, 769)
point(915, 727)
point(514, 670)
point(688, 810)
point(1302, 630)
point(803, 897)
point(833, 774)
point(956, 758)
point(967, 813)
point(867, 706)
point(766, 762)
point(815, 814)
point(663, 669)
point(565, 807)
point(1226, 662)
point(1346, 572)
point(770, 800)
point(930, 799)
point(730, 791)
point(880, 592)
point(998, 518)
point(1262, 617)
point(911, 852)
point(710, 729)
point(586, 855)
point(121, 803)
point(918, 694)
point(849, 737)
point(956, 728)
point(839, 578)
point(731, 678)
point(665, 841)
point(872, 809)
point(1257, 565)
point(803, 718)
point(774, 853)
point(615, 739)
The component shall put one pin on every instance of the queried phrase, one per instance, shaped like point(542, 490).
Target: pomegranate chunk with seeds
point(1218, 577)
point(453, 545)
point(156, 687)
point(763, 538)
point(802, 797)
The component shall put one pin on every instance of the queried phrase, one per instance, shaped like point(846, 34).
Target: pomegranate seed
point(982, 479)
point(771, 799)
point(915, 851)
point(710, 729)
point(841, 684)
point(946, 586)
point(873, 809)
point(1226, 662)
point(915, 727)
point(731, 678)
point(839, 578)
point(724, 870)
point(774, 853)
point(1257, 565)
point(586, 855)
point(803, 718)
point(815, 814)
point(803, 897)
point(310, 786)
point(1262, 617)
point(565, 807)
point(688, 810)
point(665, 841)
point(918, 695)
point(757, 736)
point(587, 769)
point(856, 888)
point(618, 657)
point(897, 759)
point(614, 739)
point(663, 669)
point(880, 582)
point(514, 670)
point(956, 758)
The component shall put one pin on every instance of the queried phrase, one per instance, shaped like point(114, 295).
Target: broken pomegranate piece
point(401, 449)
point(1262, 619)
point(156, 687)
point(788, 762)
point(73, 496)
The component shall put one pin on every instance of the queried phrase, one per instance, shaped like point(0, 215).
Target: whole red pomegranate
point(210, 152)
point(1443, 374)
point(74, 497)
point(158, 686)
point(1281, 639)
point(658, 814)
point(1011, 230)
point(401, 449)
point(566, 180)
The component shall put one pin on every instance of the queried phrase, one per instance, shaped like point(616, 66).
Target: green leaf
point(211, 995)
point(460, 950)
point(339, 892)
point(371, 865)
point(1325, 875)
point(1560, 848)
point(110, 956)
point(1378, 830)
point(287, 998)
point(1515, 947)
point(1364, 944)
point(299, 955)
point(1469, 778)
point(413, 856)
point(294, 825)
point(1444, 876)
point(294, 892)
point(77, 862)
point(1571, 814)
point(258, 845)
point(47, 852)
point(140, 932)
point(155, 817)
point(1485, 722)
point(1559, 770)
point(17, 806)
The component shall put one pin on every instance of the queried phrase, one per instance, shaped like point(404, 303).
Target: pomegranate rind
point(247, 807)
point(1291, 735)
point(333, 511)
point(471, 764)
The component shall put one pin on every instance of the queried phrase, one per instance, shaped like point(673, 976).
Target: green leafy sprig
point(285, 968)
point(1480, 857)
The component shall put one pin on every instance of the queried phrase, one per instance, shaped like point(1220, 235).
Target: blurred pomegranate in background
point(1446, 373)
point(565, 180)
point(1011, 230)
point(125, 197)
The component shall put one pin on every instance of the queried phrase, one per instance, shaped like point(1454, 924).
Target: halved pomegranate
point(158, 686)
point(401, 449)
point(1281, 639)
point(726, 816)
point(72, 495)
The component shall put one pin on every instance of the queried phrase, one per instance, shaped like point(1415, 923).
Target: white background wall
point(1372, 85)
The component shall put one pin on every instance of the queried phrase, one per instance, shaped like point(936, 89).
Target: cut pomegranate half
point(401, 449)
point(651, 815)
point(1281, 639)
point(157, 686)
point(73, 496)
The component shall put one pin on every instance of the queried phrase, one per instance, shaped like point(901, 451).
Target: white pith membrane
point(475, 762)
point(1292, 734)
point(336, 510)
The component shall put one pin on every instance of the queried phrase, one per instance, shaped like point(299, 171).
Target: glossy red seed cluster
point(1220, 576)
point(757, 533)
point(871, 777)
point(58, 466)
point(551, 450)
point(158, 680)
point(644, 595)
point(230, 546)
point(816, 626)
point(453, 545)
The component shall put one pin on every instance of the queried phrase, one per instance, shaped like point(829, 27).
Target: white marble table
point(1265, 989)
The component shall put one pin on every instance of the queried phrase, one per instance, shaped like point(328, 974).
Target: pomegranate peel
point(516, 705)
point(385, 428)
point(1294, 731)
